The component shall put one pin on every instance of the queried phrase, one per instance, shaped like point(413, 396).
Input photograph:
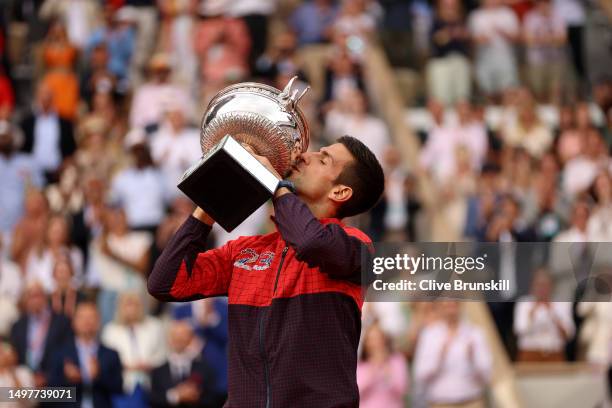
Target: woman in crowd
point(382, 375)
point(42, 258)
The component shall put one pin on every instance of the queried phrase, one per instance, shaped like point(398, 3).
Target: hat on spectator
point(125, 15)
point(134, 137)
point(213, 8)
point(160, 61)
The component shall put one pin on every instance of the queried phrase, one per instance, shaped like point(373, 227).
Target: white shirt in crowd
point(460, 378)
point(368, 129)
point(141, 193)
point(112, 275)
point(151, 101)
point(46, 150)
point(440, 151)
point(540, 333)
point(143, 343)
point(491, 23)
point(39, 267)
point(174, 153)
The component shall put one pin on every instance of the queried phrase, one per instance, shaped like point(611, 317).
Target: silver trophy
point(228, 182)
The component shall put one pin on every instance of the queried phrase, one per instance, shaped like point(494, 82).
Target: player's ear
point(340, 193)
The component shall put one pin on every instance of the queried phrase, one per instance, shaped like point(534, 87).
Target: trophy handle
point(289, 98)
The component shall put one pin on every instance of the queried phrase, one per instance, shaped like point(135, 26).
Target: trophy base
point(229, 183)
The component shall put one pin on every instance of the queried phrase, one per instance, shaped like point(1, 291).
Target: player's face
point(315, 173)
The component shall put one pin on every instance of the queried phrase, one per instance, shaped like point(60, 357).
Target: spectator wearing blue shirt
point(18, 171)
point(119, 37)
point(313, 21)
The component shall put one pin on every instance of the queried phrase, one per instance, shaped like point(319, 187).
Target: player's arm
point(185, 271)
point(327, 246)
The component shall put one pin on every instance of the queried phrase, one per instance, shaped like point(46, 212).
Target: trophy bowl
point(228, 182)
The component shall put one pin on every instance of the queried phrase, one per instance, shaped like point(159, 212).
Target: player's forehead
point(338, 152)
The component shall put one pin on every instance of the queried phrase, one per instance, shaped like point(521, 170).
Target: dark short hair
point(364, 175)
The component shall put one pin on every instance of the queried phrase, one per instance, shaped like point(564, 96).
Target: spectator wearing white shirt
point(153, 97)
point(545, 38)
point(352, 118)
point(174, 148)
point(495, 28)
point(140, 187)
point(139, 340)
point(439, 155)
point(18, 171)
point(543, 327)
point(119, 259)
point(453, 362)
point(55, 245)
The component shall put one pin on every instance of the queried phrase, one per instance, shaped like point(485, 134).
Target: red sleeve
point(185, 272)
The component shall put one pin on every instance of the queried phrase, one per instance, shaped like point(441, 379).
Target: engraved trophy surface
point(228, 182)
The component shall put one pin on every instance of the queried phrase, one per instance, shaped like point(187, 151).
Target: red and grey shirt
point(294, 305)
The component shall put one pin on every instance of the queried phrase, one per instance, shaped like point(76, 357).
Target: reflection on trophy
point(229, 183)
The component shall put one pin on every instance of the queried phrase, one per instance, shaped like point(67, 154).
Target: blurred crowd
point(100, 103)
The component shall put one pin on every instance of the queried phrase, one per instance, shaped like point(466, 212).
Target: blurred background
point(492, 119)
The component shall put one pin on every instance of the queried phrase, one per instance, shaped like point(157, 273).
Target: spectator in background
point(181, 208)
point(528, 131)
point(312, 21)
point(84, 363)
point(542, 326)
point(545, 38)
point(59, 58)
point(580, 172)
point(175, 147)
point(382, 375)
point(152, 98)
point(13, 374)
point(351, 117)
point(449, 78)
point(256, 15)
point(118, 36)
point(573, 13)
point(144, 13)
point(453, 362)
point(11, 286)
point(48, 137)
point(494, 29)
point(18, 172)
point(281, 58)
point(55, 245)
point(119, 260)
point(79, 17)
point(31, 228)
point(65, 297)
point(176, 38)
point(222, 45)
point(185, 379)
point(39, 334)
point(139, 188)
point(354, 22)
point(342, 75)
point(599, 228)
point(139, 340)
point(596, 331)
point(96, 75)
point(208, 317)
